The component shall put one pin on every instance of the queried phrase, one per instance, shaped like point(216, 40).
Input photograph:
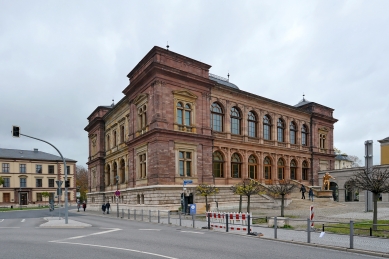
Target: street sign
point(117, 193)
point(59, 183)
point(78, 194)
point(187, 182)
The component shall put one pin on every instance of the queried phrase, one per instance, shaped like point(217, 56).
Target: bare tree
point(82, 181)
point(206, 190)
point(375, 180)
point(248, 187)
point(282, 188)
point(356, 162)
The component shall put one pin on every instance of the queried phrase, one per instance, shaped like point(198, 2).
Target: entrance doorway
point(187, 200)
point(23, 198)
point(6, 197)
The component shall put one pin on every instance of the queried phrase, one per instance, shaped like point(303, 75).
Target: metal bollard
point(122, 213)
point(322, 228)
point(128, 213)
point(149, 215)
point(209, 220)
point(248, 224)
point(275, 227)
point(159, 221)
point(308, 230)
point(142, 214)
point(193, 219)
point(134, 214)
point(179, 214)
point(226, 222)
point(371, 231)
point(168, 217)
point(351, 234)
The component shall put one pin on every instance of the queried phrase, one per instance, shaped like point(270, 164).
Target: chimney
point(35, 150)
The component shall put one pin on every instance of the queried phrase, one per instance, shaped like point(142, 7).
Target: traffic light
point(15, 131)
point(67, 183)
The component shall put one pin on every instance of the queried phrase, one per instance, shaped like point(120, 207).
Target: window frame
point(280, 130)
point(38, 182)
point(252, 123)
point(236, 165)
point(304, 135)
point(218, 164)
point(38, 169)
point(267, 166)
point(49, 167)
point(267, 126)
point(23, 182)
point(218, 116)
point(7, 182)
point(236, 121)
point(305, 171)
point(5, 168)
point(292, 133)
point(253, 164)
point(281, 169)
point(48, 182)
point(22, 168)
point(186, 162)
point(293, 170)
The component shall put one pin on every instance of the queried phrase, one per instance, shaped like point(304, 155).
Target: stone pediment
point(140, 99)
point(184, 94)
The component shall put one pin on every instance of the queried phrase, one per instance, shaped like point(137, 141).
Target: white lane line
point(93, 234)
point(2, 220)
point(9, 227)
point(23, 220)
point(193, 232)
point(116, 248)
point(146, 229)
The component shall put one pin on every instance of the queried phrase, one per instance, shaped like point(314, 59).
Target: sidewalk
point(333, 241)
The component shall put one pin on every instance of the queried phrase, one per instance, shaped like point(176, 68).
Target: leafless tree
point(356, 162)
point(206, 190)
point(82, 181)
point(375, 180)
point(282, 188)
point(248, 187)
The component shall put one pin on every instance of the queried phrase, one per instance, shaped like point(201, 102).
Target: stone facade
point(177, 121)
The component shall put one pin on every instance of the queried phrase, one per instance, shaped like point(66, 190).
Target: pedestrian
point(108, 206)
point(310, 194)
point(103, 207)
point(303, 190)
point(78, 206)
point(84, 205)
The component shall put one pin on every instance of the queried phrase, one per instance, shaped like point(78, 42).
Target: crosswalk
point(14, 223)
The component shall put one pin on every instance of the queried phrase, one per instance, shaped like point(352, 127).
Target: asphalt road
point(21, 237)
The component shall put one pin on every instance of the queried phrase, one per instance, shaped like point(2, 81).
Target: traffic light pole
point(66, 175)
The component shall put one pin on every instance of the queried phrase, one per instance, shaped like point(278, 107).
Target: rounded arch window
point(235, 121)
point(218, 164)
point(281, 169)
point(293, 170)
point(217, 117)
point(235, 166)
point(304, 135)
point(267, 168)
point(267, 127)
point(305, 171)
point(280, 130)
point(252, 125)
point(253, 167)
point(293, 130)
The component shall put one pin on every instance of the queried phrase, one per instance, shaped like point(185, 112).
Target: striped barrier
point(312, 215)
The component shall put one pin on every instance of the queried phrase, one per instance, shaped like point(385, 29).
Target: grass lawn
point(360, 228)
point(25, 208)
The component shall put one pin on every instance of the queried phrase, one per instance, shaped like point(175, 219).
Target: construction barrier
point(218, 220)
point(312, 214)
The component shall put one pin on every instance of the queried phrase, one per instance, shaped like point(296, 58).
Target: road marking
point(193, 232)
point(93, 234)
point(2, 220)
point(23, 220)
point(116, 248)
point(145, 229)
point(9, 227)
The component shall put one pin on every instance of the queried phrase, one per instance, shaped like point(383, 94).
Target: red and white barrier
point(233, 217)
point(312, 215)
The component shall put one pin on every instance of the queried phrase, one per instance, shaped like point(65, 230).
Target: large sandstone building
point(178, 121)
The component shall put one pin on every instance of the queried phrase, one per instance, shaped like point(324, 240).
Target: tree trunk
point(206, 203)
point(240, 203)
point(375, 199)
point(248, 203)
point(282, 205)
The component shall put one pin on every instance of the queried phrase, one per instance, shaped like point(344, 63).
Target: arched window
point(122, 171)
point(304, 135)
point(114, 138)
point(218, 165)
point(115, 172)
point(108, 176)
point(142, 119)
point(122, 134)
point(267, 127)
point(252, 167)
point(184, 114)
point(280, 130)
point(235, 121)
point(217, 117)
point(292, 129)
point(108, 142)
point(252, 123)
point(305, 170)
point(267, 168)
point(281, 169)
point(293, 170)
point(235, 166)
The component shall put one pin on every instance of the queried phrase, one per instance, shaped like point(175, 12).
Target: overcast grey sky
point(59, 60)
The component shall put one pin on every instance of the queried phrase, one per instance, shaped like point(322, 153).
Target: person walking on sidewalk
point(84, 205)
point(108, 205)
point(303, 190)
point(103, 207)
point(310, 194)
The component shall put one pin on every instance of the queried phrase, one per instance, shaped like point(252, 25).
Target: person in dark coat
point(310, 194)
point(84, 205)
point(303, 190)
point(108, 205)
point(103, 207)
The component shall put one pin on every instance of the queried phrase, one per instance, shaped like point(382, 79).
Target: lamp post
point(117, 198)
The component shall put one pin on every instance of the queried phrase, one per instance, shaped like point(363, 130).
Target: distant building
point(28, 173)
point(179, 122)
point(384, 151)
point(343, 161)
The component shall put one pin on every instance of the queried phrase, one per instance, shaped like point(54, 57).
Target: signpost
point(185, 182)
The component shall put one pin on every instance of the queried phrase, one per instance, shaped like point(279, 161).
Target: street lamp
point(117, 198)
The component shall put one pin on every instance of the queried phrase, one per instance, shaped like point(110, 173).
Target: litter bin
point(12, 206)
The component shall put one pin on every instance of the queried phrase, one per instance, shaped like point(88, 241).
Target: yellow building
point(384, 151)
point(27, 174)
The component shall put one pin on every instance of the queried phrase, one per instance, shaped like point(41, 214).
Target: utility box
point(192, 209)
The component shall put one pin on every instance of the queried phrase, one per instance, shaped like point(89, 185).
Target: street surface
point(110, 237)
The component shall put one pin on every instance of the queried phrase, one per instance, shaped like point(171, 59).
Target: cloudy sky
point(59, 60)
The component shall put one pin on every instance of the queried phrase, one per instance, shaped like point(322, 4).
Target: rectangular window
point(266, 132)
point(38, 182)
point(68, 169)
point(5, 168)
point(185, 163)
point(293, 173)
point(23, 182)
point(252, 172)
point(39, 196)
point(6, 182)
point(142, 166)
point(252, 132)
point(280, 135)
point(292, 137)
point(51, 182)
point(235, 170)
point(305, 174)
point(38, 169)
point(51, 169)
point(235, 124)
point(217, 122)
point(187, 118)
point(22, 168)
point(179, 117)
point(267, 173)
point(218, 169)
